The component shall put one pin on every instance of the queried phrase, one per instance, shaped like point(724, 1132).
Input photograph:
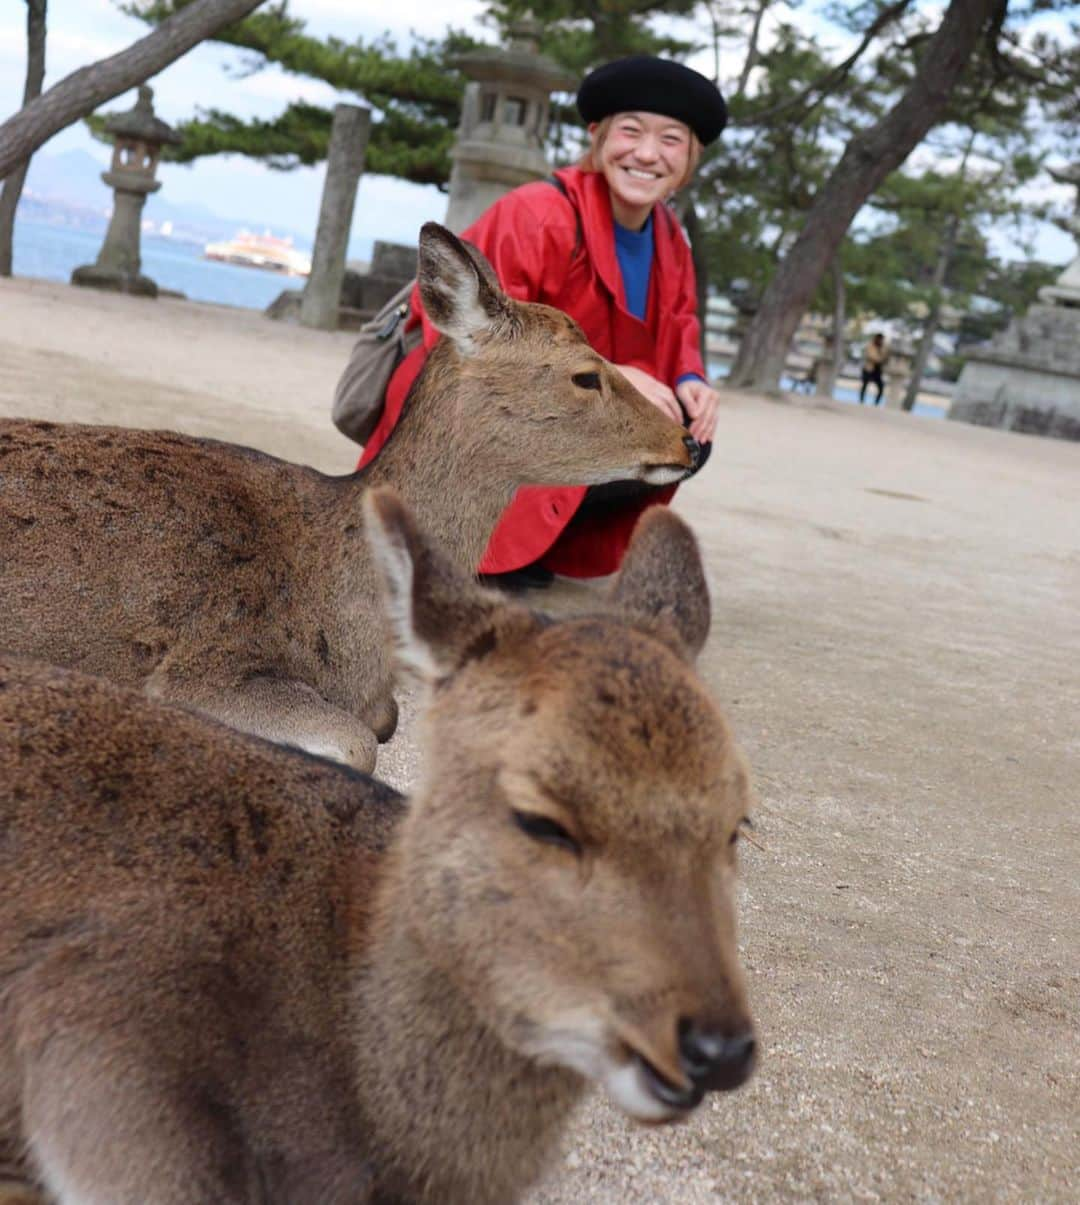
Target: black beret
point(643, 83)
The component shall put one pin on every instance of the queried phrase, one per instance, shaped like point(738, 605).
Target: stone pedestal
point(393, 265)
point(118, 265)
point(1028, 379)
point(897, 373)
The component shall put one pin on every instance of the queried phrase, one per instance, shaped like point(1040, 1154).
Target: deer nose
point(693, 449)
point(715, 1061)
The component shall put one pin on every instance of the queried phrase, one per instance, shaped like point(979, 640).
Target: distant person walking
point(873, 364)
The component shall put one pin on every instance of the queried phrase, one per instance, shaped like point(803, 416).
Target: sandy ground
point(896, 638)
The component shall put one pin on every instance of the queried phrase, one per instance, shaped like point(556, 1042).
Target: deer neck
point(456, 1115)
point(454, 473)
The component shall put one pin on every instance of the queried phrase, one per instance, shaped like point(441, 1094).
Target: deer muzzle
point(710, 1060)
point(668, 473)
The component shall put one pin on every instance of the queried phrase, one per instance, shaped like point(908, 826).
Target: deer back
point(116, 541)
point(179, 906)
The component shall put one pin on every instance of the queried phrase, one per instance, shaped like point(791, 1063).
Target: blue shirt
point(634, 251)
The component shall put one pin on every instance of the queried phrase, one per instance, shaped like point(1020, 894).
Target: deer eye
point(543, 828)
point(586, 380)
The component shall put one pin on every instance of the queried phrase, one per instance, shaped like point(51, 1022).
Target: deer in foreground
point(226, 580)
point(233, 972)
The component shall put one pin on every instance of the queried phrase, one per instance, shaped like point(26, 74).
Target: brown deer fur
point(226, 580)
point(232, 972)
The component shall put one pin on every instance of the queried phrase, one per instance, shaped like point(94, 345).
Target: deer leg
point(106, 1125)
point(126, 1146)
point(283, 710)
point(123, 1077)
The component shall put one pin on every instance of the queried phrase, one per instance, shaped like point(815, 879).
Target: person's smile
point(644, 158)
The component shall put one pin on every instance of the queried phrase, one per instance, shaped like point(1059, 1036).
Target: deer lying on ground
point(232, 972)
point(228, 581)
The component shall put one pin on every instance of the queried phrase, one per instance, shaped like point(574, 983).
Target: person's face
point(644, 158)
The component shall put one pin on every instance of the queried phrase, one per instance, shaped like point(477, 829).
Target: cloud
point(373, 17)
point(277, 86)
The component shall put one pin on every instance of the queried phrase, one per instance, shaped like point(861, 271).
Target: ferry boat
point(260, 251)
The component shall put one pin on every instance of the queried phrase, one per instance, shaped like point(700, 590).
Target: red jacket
point(529, 236)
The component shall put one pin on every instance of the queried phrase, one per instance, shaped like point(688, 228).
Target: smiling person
point(602, 245)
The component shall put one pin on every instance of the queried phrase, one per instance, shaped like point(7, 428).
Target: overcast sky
point(83, 31)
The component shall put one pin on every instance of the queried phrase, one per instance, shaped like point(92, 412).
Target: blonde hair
point(590, 160)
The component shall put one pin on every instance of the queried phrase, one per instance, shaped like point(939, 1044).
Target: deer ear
point(438, 616)
point(662, 578)
point(482, 265)
point(458, 287)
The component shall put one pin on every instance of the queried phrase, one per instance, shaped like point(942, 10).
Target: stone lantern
point(138, 137)
point(897, 371)
point(1028, 377)
point(504, 121)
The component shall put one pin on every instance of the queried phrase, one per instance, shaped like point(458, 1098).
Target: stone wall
point(1028, 379)
point(362, 293)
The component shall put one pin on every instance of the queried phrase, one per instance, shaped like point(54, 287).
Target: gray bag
point(383, 344)
point(380, 348)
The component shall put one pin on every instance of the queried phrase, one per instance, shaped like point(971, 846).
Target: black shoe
point(528, 577)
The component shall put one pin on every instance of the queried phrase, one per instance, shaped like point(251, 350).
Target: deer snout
point(715, 1061)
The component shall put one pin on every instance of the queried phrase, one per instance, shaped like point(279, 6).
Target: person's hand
point(701, 402)
point(655, 391)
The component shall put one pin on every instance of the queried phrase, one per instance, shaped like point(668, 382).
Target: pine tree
point(416, 94)
point(970, 53)
point(79, 93)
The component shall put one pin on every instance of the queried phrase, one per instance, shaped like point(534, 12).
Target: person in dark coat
point(605, 247)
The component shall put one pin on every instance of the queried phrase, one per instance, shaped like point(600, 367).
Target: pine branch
point(372, 71)
point(833, 78)
point(400, 145)
point(83, 90)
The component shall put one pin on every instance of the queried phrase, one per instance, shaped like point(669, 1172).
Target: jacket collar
point(592, 198)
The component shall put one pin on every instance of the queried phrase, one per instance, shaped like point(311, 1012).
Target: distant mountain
point(71, 176)
point(71, 181)
point(66, 189)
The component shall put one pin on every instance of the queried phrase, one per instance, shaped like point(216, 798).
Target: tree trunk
point(867, 160)
point(35, 77)
point(933, 318)
point(84, 90)
point(946, 250)
point(826, 382)
point(696, 235)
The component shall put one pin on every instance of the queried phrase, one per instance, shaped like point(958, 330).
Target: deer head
point(532, 396)
point(569, 860)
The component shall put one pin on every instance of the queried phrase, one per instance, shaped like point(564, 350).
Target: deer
point(232, 971)
point(222, 579)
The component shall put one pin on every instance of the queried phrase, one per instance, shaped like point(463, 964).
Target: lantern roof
point(520, 61)
point(140, 123)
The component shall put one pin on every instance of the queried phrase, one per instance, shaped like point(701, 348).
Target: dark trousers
point(874, 375)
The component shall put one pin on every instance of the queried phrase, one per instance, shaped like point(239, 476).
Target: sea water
point(53, 252)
